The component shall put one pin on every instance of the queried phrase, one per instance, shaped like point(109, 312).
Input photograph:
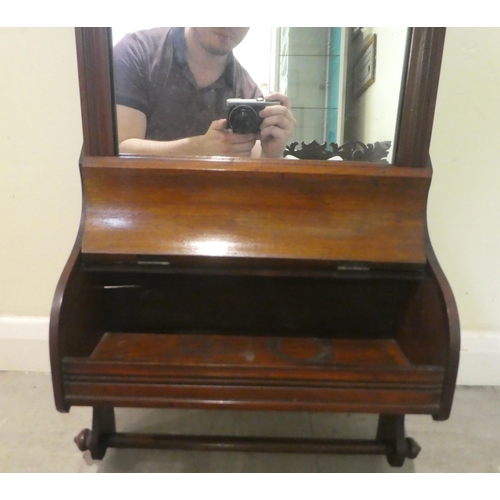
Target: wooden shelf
point(181, 370)
point(257, 352)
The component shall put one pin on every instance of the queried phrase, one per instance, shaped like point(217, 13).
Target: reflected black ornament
point(349, 151)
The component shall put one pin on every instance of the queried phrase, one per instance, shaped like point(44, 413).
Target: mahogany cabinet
point(255, 284)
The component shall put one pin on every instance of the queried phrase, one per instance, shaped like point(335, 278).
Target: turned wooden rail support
point(390, 441)
point(391, 430)
point(95, 440)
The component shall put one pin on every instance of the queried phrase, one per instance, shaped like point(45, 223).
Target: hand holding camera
point(243, 116)
point(218, 142)
point(271, 118)
point(248, 120)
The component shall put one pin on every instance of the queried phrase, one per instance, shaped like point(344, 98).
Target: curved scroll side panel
point(429, 329)
point(56, 342)
point(75, 319)
point(452, 337)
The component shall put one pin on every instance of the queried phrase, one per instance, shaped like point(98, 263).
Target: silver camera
point(243, 114)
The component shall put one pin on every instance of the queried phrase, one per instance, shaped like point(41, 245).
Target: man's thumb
point(219, 124)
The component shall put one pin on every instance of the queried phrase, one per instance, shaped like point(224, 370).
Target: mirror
point(321, 70)
point(344, 84)
point(418, 95)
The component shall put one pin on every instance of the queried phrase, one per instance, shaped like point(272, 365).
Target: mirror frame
point(417, 100)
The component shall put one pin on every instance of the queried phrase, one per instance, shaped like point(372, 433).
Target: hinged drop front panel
point(354, 214)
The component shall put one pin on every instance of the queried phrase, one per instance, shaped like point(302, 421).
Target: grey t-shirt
point(151, 74)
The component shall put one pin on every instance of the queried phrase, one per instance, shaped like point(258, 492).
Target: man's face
point(219, 41)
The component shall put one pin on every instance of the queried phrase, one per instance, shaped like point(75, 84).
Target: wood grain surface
point(276, 211)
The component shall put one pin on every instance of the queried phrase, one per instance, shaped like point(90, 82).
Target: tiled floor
point(34, 437)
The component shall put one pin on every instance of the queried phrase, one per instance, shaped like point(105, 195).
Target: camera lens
point(243, 120)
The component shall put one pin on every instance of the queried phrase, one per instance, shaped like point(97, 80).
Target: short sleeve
point(131, 73)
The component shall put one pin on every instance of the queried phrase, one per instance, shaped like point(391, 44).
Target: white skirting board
point(24, 346)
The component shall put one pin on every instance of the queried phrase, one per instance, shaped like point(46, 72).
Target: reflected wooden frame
point(417, 100)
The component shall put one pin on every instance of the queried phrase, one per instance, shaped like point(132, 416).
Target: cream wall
point(464, 203)
point(40, 142)
point(40, 200)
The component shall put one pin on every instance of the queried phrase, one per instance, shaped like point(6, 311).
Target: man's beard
point(216, 51)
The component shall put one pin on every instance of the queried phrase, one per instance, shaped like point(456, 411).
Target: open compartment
point(190, 339)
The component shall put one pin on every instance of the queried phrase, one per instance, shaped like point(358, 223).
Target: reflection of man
point(171, 86)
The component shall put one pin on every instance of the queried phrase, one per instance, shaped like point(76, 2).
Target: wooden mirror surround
point(255, 284)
